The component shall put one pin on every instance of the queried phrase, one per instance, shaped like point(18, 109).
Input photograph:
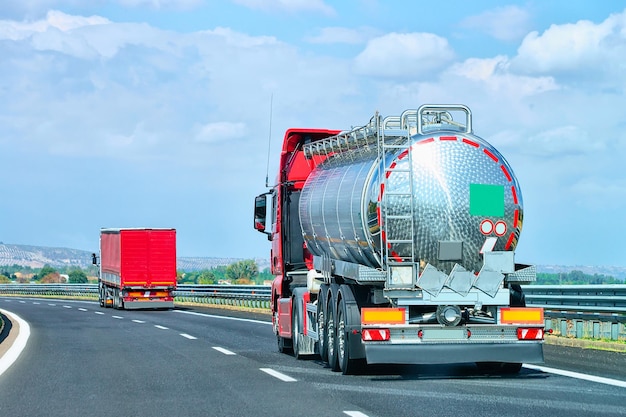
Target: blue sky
point(129, 113)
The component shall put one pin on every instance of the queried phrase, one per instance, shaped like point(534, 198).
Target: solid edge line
point(571, 374)
point(19, 344)
point(193, 313)
point(278, 375)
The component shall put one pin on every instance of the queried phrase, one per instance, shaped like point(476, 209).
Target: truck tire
point(322, 347)
point(101, 295)
point(346, 365)
point(331, 332)
point(295, 329)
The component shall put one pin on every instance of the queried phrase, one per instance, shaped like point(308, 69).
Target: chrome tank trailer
point(420, 188)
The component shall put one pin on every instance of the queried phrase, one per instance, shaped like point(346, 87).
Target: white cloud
point(404, 55)
point(331, 35)
point(162, 4)
point(220, 132)
point(582, 48)
point(494, 74)
point(562, 141)
point(292, 6)
point(54, 19)
point(508, 23)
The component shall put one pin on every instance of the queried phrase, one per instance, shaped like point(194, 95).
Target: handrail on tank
point(437, 110)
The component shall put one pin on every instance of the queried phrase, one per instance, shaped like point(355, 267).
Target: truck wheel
point(331, 339)
point(101, 295)
point(347, 365)
point(295, 330)
point(322, 347)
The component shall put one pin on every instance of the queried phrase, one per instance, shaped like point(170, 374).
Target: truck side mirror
point(94, 259)
point(260, 213)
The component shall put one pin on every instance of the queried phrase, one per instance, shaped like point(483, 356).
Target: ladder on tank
point(397, 210)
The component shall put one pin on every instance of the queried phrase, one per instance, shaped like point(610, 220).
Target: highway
point(83, 360)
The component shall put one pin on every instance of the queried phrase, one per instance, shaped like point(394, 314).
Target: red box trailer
point(137, 268)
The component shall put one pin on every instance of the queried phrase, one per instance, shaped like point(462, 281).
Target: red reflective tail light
point(375, 335)
point(530, 333)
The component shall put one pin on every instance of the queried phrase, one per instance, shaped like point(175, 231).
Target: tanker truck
point(393, 243)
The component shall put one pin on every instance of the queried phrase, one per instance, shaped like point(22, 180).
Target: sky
point(170, 113)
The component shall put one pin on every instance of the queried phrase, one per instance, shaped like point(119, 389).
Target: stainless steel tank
point(454, 187)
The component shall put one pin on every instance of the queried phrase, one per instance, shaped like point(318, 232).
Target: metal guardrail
point(610, 299)
point(581, 311)
point(596, 311)
point(255, 296)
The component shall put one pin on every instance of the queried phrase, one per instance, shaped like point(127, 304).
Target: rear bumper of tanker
point(416, 354)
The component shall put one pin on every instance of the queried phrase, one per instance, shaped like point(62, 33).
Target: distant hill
point(38, 256)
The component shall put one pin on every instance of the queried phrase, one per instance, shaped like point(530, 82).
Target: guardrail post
point(614, 331)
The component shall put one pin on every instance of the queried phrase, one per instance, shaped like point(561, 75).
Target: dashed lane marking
point(224, 351)
point(82, 309)
point(276, 374)
point(161, 327)
point(67, 306)
point(117, 317)
point(138, 321)
point(188, 336)
point(355, 414)
point(99, 312)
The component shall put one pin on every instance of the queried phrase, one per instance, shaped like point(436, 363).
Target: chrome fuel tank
point(436, 192)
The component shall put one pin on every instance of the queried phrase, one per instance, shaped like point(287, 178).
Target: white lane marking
point(23, 302)
point(36, 303)
point(592, 378)
point(355, 414)
point(224, 351)
point(82, 309)
point(193, 313)
point(19, 344)
point(161, 327)
point(52, 304)
point(188, 336)
point(117, 317)
point(138, 321)
point(278, 375)
point(67, 306)
point(99, 312)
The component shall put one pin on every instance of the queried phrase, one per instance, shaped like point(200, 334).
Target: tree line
point(244, 272)
point(576, 278)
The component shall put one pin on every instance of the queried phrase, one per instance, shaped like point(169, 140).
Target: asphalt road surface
point(84, 360)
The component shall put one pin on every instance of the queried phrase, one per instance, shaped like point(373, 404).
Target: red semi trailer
point(137, 268)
